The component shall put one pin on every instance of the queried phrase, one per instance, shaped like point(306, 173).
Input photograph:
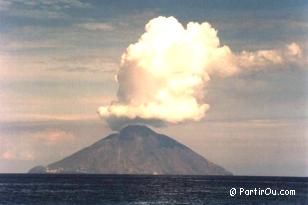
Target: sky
point(58, 61)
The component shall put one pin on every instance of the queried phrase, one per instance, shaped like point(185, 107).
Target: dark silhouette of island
point(135, 149)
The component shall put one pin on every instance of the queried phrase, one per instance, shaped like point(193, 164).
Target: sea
point(67, 189)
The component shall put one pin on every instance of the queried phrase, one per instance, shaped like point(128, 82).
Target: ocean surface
point(143, 189)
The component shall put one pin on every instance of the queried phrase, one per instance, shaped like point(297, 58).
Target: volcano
point(135, 149)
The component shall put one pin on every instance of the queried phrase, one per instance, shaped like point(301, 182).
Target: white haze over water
point(162, 77)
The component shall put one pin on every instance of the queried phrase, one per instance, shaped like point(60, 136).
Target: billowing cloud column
point(162, 77)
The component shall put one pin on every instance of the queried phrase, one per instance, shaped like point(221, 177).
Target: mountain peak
point(140, 130)
point(136, 149)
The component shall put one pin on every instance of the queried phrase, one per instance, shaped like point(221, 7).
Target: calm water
point(136, 189)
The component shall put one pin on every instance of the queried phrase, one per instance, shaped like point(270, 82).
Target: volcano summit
point(135, 150)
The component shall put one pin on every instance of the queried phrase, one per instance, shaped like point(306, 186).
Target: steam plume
point(162, 77)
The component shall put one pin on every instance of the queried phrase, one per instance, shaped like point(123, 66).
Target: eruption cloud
point(163, 76)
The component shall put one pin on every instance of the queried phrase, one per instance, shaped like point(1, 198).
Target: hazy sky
point(58, 60)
